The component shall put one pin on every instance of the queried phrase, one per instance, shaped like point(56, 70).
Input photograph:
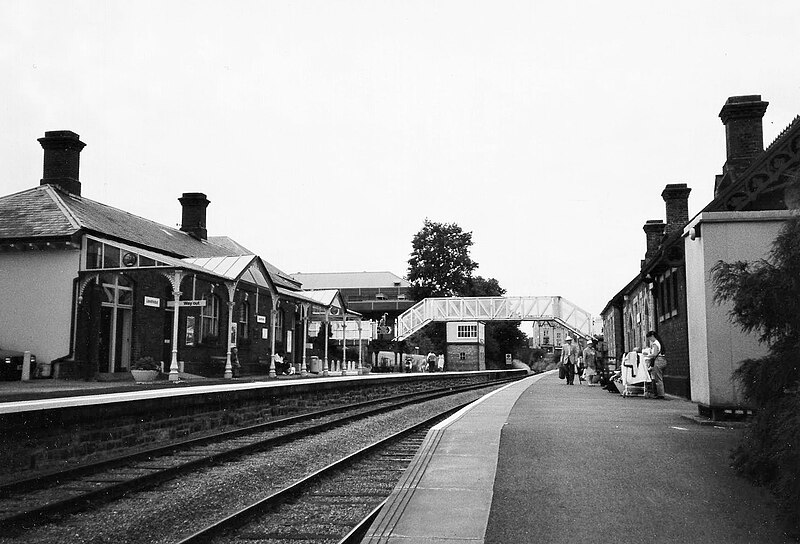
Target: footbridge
point(556, 310)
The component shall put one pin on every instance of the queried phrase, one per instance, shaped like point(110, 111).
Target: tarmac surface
point(540, 461)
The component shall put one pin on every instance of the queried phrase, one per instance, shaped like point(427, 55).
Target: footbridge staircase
point(556, 310)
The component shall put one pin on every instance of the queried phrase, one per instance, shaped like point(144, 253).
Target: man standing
point(590, 362)
point(569, 359)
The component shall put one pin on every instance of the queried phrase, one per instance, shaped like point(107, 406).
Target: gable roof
point(350, 280)
point(45, 212)
point(772, 170)
point(243, 267)
point(34, 213)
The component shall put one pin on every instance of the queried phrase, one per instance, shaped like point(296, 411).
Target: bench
point(724, 413)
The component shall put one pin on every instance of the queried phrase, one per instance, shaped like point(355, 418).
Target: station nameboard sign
point(186, 303)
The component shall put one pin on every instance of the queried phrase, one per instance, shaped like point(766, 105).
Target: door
point(166, 355)
point(123, 358)
point(116, 323)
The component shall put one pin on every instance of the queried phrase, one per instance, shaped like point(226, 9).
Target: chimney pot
point(654, 232)
point(744, 137)
point(193, 217)
point(62, 160)
point(676, 198)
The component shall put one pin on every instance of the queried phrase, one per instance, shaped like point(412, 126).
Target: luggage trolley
point(635, 375)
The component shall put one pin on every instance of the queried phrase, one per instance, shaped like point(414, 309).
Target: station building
point(90, 288)
point(673, 292)
point(378, 296)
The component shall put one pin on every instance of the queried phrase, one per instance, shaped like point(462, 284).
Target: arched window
point(209, 319)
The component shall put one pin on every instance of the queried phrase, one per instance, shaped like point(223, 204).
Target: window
point(209, 319)
point(278, 325)
point(467, 331)
point(667, 295)
point(462, 356)
point(243, 322)
point(94, 254)
point(100, 255)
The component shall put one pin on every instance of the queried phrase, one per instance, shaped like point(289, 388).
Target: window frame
point(243, 321)
point(668, 295)
point(467, 332)
point(209, 318)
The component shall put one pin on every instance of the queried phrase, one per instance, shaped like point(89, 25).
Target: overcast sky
point(325, 132)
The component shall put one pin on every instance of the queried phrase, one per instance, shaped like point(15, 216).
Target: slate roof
point(45, 212)
point(350, 280)
point(35, 213)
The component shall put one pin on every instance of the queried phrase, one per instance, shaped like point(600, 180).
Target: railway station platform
point(15, 391)
point(540, 461)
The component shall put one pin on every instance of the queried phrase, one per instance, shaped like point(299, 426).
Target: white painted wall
point(716, 345)
point(36, 294)
point(452, 333)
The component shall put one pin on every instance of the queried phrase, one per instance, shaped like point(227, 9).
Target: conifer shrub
point(765, 299)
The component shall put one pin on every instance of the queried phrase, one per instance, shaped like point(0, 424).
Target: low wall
point(44, 440)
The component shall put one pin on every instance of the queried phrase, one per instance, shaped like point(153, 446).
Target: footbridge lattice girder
point(553, 309)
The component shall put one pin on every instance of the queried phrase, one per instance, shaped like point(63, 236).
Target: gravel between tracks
point(178, 508)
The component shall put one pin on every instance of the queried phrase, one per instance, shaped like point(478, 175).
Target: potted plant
point(145, 369)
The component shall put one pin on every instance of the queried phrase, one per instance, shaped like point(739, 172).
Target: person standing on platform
point(236, 367)
point(569, 359)
point(431, 362)
point(656, 362)
point(590, 362)
point(601, 359)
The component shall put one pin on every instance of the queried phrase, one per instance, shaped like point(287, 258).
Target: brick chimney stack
point(193, 220)
point(62, 160)
point(654, 231)
point(676, 198)
point(744, 137)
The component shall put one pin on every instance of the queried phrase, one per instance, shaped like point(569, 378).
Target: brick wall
point(675, 335)
point(474, 357)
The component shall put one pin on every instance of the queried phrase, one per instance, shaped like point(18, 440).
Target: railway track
point(334, 505)
point(33, 502)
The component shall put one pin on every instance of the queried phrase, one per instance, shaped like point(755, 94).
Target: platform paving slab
point(541, 462)
point(445, 494)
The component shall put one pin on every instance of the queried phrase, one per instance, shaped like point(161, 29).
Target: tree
point(440, 265)
point(765, 298)
point(481, 287)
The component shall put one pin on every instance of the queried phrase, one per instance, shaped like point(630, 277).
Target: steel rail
point(242, 516)
point(357, 533)
point(114, 490)
point(42, 480)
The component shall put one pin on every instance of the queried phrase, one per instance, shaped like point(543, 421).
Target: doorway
point(116, 323)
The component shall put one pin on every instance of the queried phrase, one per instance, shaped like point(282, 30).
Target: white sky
point(325, 132)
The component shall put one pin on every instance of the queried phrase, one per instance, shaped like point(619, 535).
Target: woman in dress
point(656, 362)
